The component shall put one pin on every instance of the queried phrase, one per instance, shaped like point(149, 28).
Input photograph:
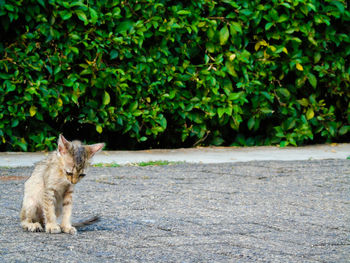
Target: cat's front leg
point(67, 212)
point(51, 225)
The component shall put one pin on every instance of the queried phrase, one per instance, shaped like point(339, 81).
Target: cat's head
point(75, 157)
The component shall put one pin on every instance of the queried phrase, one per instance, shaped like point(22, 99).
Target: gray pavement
point(258, 211)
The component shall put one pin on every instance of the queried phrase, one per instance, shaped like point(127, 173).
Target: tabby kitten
point(48, 191)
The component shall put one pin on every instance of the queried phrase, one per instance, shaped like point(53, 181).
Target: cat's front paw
point(32, 227)
point(69, 229)
point(53, 228)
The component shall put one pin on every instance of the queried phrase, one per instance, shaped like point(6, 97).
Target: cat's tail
point(87, 222)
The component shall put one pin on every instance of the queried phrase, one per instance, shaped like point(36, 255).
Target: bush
point(140, 74)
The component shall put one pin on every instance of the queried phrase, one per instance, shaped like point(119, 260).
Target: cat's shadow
point(105, 225)
point(115, 224)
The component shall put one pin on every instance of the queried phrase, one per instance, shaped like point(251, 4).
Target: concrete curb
point(198, 155)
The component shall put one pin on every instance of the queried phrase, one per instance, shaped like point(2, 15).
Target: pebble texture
point(294, 211)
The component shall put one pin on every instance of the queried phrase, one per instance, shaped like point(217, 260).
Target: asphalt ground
point(265, 211)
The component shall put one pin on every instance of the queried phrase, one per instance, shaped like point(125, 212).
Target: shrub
point(164, 73)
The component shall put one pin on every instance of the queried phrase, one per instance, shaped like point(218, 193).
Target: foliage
point(174, 73)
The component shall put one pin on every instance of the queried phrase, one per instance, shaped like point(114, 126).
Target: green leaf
point(266, 110)
point(282, 18)
point(317, 57)
point(183, 12)
point(210, 47)
point(81, 15)
point(133, 106)
point(75, 50)
point(106, 98)
point(230, 68)
point(236, 26)
point(163, 122)
point(23, 146)
point(299, 67)
point(304, 102)
point(211, 34)
point(49, 69)
point(332, 128)
point(114, 54)
point(5, 76)
point(268, 26)
point(221, 112)
point(284, 144)
point(143, 138)
point(312, 80)
point(9, 7)
point(339, 5)
point(202, 24)
point(93, 15)
point(124, 26)
point(65, 15)
point(310, 114)
point(99, 128)
point(217, 141)
point(9, 86)
point(284, 92)
point(32, 111)
point(344, 130)
point(42, 3)
point(14, 123)
point(224, 35)
point(74, 3)
point(234, 96)
point(251, 123)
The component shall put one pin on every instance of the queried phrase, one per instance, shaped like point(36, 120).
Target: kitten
point(48, 191)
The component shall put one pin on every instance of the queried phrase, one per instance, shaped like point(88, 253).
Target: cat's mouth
point(73, 182)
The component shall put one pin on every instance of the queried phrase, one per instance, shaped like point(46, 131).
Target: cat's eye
point(82, 175)
point(69, 173)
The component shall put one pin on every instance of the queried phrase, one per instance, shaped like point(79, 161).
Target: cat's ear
point(94, 148)
point(63, 145)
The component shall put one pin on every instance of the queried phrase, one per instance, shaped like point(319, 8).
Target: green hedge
point(149, 73)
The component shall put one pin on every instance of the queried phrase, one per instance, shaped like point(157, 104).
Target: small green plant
point(156, 163)
point(149, 163)
point(106, 165)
